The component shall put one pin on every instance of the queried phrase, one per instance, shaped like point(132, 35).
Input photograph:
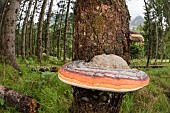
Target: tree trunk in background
point(18, 38)
point(24, 29)
point(149, 34)
point(54, 35)
point(59, 35)
point(100, 27)
point(156, 41)
point(65, 30)
point(2, 2)
point(39, 32)
point(3, 6)
point(8, 34)
point(31, 29)
point(47, 29)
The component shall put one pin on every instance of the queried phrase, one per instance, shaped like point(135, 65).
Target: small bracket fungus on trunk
point(104, 72)
point(136, 37)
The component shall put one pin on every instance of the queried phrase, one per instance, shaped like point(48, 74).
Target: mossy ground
point(55, 96)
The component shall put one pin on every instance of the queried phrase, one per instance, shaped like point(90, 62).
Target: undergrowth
point(55, 96)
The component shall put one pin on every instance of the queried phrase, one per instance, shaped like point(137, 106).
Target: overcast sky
point(136, 8)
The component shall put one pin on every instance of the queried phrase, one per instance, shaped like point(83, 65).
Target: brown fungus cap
point(105, 78)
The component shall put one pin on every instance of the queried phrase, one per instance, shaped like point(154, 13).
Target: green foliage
point(2, 102)
point(136, 51)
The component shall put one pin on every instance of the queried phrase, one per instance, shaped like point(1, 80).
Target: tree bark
point(47, 29)
point(8, 34)
point(23, 47)
point(3, 7)
point(65, 30)
point(100, 27)
point(39, 32)
point(22, 103)
point(54, 35)
point(59, 35)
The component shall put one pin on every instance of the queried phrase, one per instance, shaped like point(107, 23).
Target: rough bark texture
point(39, 33)
point(22, 103)
point(93, 101)
point(8, 34)
point(101, 26)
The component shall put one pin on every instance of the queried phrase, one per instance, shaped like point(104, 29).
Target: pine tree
point(39, 32)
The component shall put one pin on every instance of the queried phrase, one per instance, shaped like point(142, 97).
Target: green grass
point(52, 95)
point(152, 98)
point(55, 97)
point(143, 62)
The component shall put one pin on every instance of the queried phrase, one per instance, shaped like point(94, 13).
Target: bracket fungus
point(136, 37)
point(104, 72)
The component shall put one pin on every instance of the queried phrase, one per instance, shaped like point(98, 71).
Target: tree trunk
point(22, 103)
point(156, 41)
point(3, 6)
point(54, 35)
point(65, 30)
point(8, 34)
point(31, 29)
point(39, 32)
point(149, 34)
point(100, 27)
point(18, 38)
point(2, 2)
point(47, 29)
point(59, 35)
point(24, 29)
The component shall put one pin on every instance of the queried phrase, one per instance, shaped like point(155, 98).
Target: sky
point(136, 8)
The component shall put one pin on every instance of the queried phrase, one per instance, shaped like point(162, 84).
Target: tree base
point(93, 101)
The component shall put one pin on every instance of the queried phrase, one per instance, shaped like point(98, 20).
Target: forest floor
point(55, 97)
